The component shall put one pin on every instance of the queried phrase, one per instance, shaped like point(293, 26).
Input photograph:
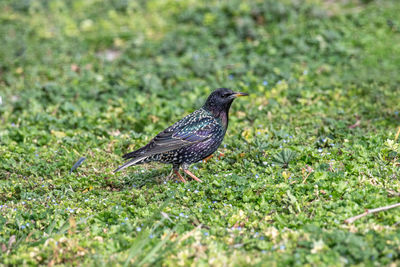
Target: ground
point(315, 143)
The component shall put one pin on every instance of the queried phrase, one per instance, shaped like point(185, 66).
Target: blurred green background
point(313, 144)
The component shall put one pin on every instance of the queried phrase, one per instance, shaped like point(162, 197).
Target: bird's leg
point(208, 158)
point(179, 176)
point(191, 174)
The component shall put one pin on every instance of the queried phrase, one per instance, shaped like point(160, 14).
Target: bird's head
point(221, 100)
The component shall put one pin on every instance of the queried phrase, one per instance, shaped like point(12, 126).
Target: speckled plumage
point(191, 139)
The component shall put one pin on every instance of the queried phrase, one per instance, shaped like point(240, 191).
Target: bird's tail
point(130, 163)
point(135, 154)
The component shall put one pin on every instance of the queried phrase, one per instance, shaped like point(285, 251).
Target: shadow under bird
point(192, 139)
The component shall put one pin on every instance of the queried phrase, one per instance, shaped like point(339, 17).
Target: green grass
point(313, 144)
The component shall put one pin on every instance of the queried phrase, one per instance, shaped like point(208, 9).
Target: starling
point(193, 138)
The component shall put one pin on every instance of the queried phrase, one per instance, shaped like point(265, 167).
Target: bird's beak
point(237, 94)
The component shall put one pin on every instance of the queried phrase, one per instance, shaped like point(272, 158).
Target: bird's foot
point(179, 176)
point(192, 175)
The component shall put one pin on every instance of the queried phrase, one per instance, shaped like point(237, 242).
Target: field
point(315, 143)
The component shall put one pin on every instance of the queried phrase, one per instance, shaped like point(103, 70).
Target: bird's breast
point(223, 119)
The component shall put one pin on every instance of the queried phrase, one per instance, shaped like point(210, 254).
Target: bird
point(193, 138)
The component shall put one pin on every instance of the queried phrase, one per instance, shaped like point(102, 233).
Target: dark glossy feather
point(195, 127)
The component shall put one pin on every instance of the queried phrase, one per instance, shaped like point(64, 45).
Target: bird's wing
point(190, 130)
point(196, 131)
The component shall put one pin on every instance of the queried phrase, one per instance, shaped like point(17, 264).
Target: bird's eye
point(225, 95)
